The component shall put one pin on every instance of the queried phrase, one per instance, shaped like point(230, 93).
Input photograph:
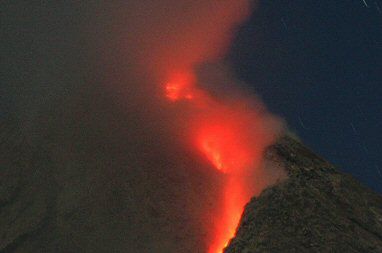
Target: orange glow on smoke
point(222, 146)
point(221, 134)
point(179, 86)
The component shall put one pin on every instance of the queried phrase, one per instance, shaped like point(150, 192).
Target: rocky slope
point(318, 209)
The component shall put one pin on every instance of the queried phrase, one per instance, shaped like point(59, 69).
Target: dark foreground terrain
point(318, 209)
point(63, 202)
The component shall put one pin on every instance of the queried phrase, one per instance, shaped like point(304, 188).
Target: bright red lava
point(234, 200)
point(223, 146)
point(220, 137)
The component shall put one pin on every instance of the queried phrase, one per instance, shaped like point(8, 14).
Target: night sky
point(318, 65)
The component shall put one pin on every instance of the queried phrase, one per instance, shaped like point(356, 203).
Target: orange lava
point(234, 200)
point(221, 133)
point(223, 145)
point(224, 142)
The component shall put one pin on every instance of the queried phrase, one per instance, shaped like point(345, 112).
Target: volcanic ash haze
point(153, 149)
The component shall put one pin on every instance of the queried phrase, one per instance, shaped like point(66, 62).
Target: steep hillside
point(318, 209)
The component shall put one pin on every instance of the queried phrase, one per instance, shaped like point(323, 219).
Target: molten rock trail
point(232, 136)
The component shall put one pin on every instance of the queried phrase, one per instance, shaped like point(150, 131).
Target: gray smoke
point(83, 79)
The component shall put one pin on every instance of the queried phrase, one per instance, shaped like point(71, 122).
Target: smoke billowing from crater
point(151, 141)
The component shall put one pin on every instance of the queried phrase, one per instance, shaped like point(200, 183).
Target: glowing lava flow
point(234, 198)
point(224, 142)
point(222, 145)
point(221, 134)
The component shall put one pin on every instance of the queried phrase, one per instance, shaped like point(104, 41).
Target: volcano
point(124, 127)
point(316, 209)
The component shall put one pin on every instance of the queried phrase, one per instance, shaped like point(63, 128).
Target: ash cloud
point(85, 80)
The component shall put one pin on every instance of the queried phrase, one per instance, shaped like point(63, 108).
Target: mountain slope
point(317, 209)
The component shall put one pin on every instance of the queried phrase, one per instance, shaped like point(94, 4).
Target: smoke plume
point(150, 137)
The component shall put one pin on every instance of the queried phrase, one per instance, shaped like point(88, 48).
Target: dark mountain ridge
point(317, 209)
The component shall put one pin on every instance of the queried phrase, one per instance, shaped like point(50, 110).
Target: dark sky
point(318, 64)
